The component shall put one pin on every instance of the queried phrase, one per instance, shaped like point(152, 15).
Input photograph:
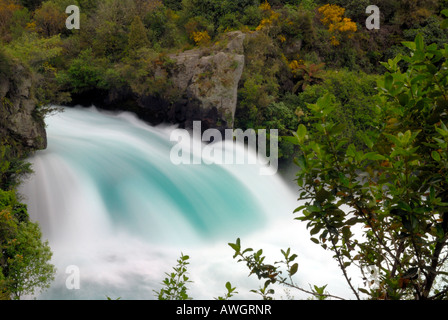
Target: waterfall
point(112, 204)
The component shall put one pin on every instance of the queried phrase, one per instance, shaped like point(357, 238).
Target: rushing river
point(115, 208)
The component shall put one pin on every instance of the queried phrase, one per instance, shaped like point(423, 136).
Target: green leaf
point(388, 81)
point(432, 69)
point(236, 246)
point(248, 250)
point(315, 230)
point(313, 209)
point(435, 155)
point(324, 102)
point(374, 156)
point(300, 208)
point(444, 24)
point(301, 133)
point(395, 140)
point(301, 162)
point(364, 291)
point(338, 129)
point(290, 139)
point(293, 269)
point(419, 42)
point(368, 142)
point(409, 44)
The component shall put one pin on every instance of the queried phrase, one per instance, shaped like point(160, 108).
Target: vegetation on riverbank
point(386, 117)
point(297, 49)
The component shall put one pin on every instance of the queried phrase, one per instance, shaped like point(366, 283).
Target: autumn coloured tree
point(49, 19)
point(269, 16)
point(8, 10)
point(338, 26)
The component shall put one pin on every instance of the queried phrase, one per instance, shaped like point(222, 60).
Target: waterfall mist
point(111, 203)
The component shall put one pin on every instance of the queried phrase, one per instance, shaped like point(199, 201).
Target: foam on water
point(110, 202)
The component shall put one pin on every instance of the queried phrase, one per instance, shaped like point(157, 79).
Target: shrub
point(383, 205)
point(354, 98)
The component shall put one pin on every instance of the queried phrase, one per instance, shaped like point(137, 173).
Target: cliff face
point(20, 124)
point(209, 79)
point(205, 81)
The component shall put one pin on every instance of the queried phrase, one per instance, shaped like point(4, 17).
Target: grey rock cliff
point(208, 78)
point(19, 122)
point(202, 85)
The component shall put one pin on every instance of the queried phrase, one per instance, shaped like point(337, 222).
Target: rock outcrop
point(20, 124)
point(205, 81)
point(209, 78)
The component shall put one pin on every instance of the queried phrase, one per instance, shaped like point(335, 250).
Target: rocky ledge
point(21, 126)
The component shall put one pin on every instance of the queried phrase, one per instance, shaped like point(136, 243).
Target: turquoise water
point(111, 203)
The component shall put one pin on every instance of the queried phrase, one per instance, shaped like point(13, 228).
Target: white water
point(110, 202)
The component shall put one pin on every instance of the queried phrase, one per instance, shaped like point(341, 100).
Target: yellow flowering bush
point(271, 16)
point(201, 37)
point(338, 25)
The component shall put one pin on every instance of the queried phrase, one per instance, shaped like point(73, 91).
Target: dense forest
point(298, 51)
point(309, 48)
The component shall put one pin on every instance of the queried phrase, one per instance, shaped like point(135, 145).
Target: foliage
point(12, 168)
point(164, 28)
point(49, 19)
point(338, 25)
point(5, 64)
point(137, 35)
point(31, 4)
point(24, 258)
point(272, 273)
point(85, 73)
point(308, 73)
point(10, 14)
point(35, 51)
point(411, 12)
point(124, 44)
point(174, 285)
point(230, 292)
point(201, 37)
point(354, 97)
point(432, 31)
point(384, 207)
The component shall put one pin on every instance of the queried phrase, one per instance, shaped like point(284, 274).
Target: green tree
point(34, 51)
point(384, 206)
point(86, 72)
point(137, 35)
point(49, 19)
point(25, 266)
point(354, 95)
